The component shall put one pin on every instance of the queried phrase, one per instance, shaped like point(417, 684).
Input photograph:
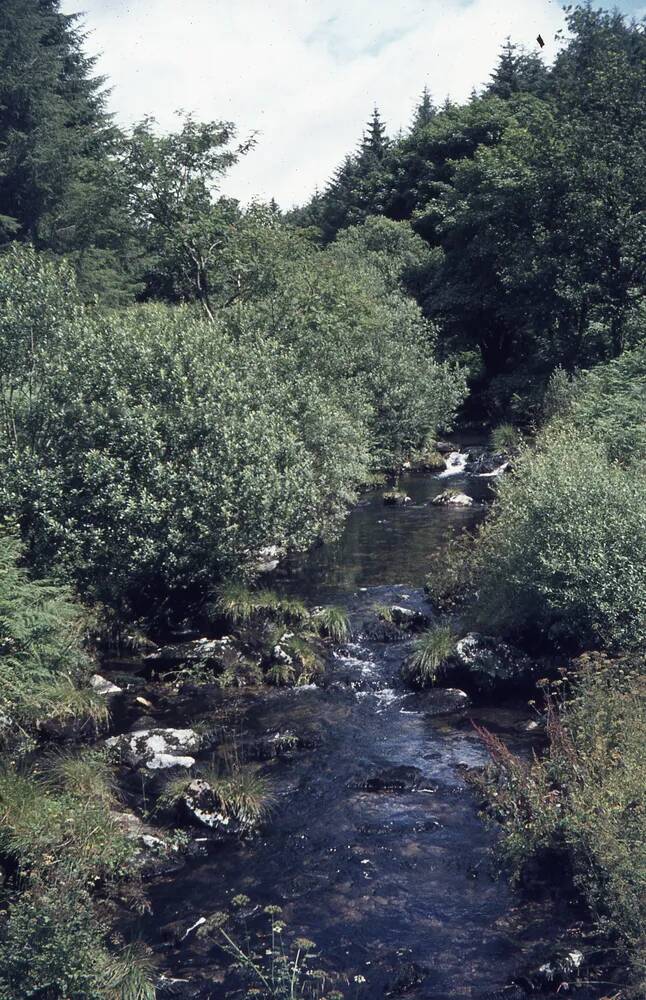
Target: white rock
point(103, 686)
point(156, 749)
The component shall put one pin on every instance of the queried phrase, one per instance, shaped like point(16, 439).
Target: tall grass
point(430, 651)
point(333, 623)
point(585, 799)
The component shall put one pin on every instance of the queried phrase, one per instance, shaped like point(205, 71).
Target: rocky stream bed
point(374, 847)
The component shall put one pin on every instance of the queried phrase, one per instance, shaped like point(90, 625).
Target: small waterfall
point(455, 464)
point(496, 472)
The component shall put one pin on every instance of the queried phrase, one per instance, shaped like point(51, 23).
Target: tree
point(171, 183)
point(518, 71)
point(424, 112)
point(58, 148)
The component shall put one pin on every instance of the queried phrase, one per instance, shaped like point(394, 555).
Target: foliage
point(333, 622)
point(451, 578)
point(170, 181)
point(182, 447)
point(87, 775)
point(585, 798)
point(564, 550)
point(43, 668)
point(53, 944)
point(506, 438)
point(273, 964)
point(608, 401)
point(430, 651)
point(48, 830)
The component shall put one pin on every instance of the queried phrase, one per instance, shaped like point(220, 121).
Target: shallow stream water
point(374, 848)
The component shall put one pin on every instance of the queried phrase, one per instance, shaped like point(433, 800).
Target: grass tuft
point(429, 652)
point(333, 623)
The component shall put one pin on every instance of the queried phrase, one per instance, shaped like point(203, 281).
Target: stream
point(374, 848)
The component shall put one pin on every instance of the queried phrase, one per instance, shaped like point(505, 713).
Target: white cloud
point(305, 73)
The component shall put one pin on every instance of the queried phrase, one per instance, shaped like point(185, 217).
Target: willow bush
point(149, 453)
point(564, 551)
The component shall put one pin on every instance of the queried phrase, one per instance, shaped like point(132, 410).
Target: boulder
point(449, 498)
point(395, 498)
point(378, 630)
point(436, 701)
point(103, 686)
point(267, 559)
point(215, 653)
point(156, 749)
point(408, 618)
point(487, 463)
point(202, 805)
point(444, 447)
point(485, 663)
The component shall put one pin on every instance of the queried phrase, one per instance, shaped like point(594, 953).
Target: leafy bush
point(505, 437)
point(585, 798)
point(564, 551)
point(429, 653)
point(43, 669)
point(608, 403)
point(450, 580)
point(181, 448)
point(52, 945)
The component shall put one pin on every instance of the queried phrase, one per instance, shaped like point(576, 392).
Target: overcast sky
point(304, 73)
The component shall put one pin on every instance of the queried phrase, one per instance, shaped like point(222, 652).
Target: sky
point(304, 74)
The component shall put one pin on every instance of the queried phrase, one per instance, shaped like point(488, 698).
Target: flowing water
point(374, 848)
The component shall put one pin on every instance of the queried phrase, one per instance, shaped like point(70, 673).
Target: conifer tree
point(424, 112)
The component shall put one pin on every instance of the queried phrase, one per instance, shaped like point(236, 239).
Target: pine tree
point(424, 112)
point(52, 114)
point(518, 71)
point(59, 184)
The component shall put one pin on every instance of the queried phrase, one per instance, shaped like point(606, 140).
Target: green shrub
point(43, 669)
point(608, 404)
point(564, 550)
point(52, 944)
point(450, 580)
point(506, 437)
point(430, 651)
point(586, 797)
point(181, 448)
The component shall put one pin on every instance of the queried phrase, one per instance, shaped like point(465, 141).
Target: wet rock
point(444, 447)
point(485, 664)
point(400, 778)
point(267, 559)
point(395, 498)
point(278, 744)
point(561, 970)
point(449, 498)
point(486, 463)
point(378, 630)
point(202, 805)
point(408, 618)
point(103, 686)
point(406, 978)
point(215, 653)
point(437, 701)
point(143, 722)
point(156, 749)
